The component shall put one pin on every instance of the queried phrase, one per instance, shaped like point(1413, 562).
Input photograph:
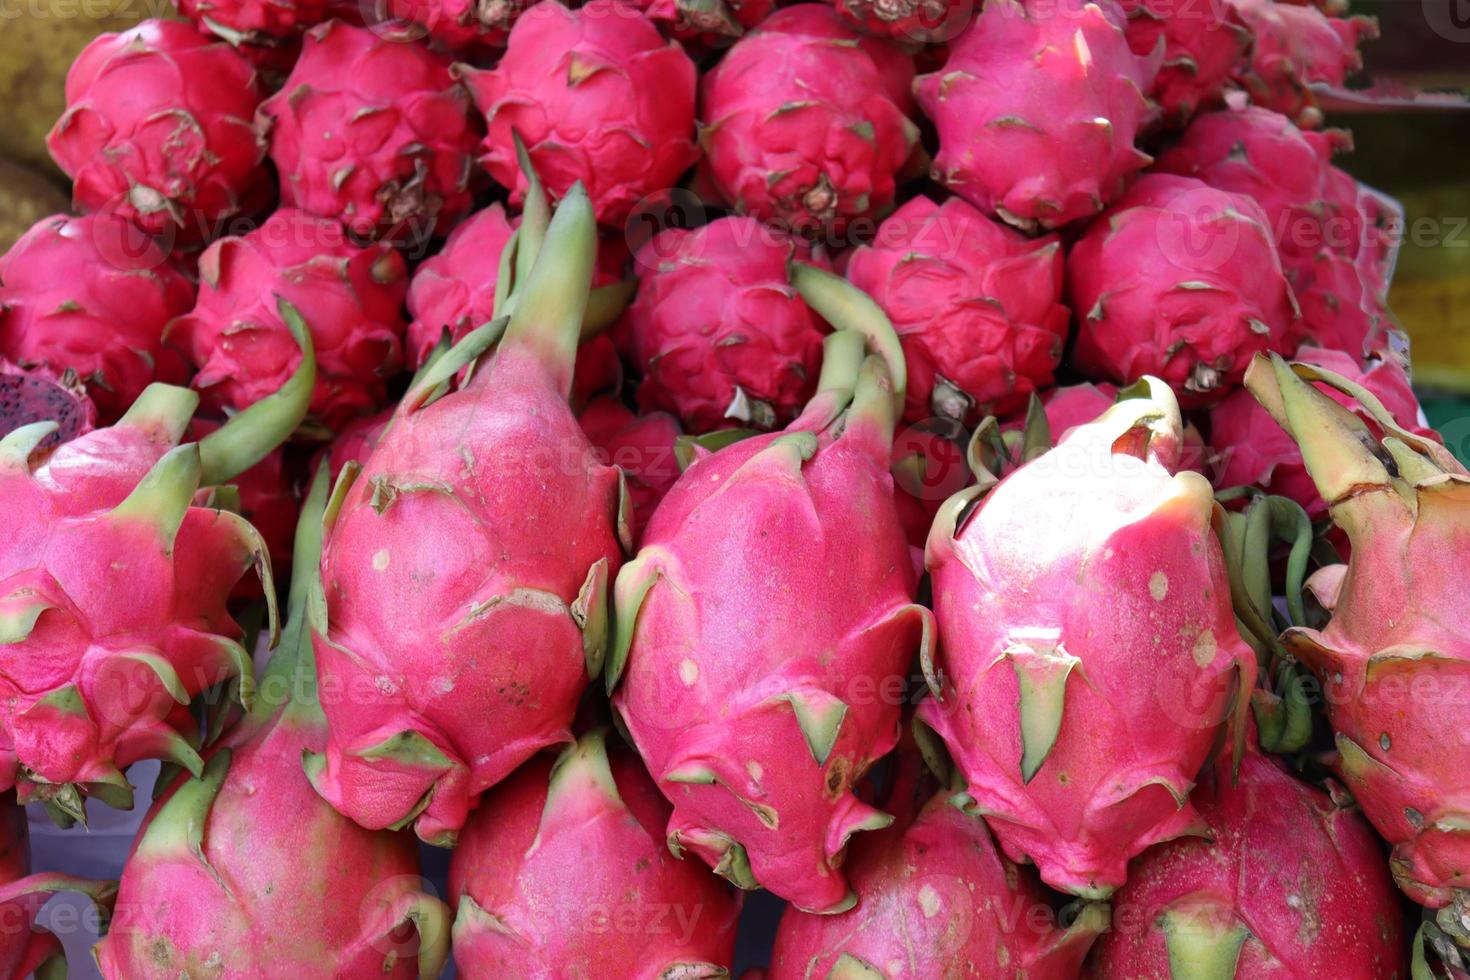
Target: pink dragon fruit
point(1096, 564)
point(909, 21)
point(1393, 656)
point(1202, 43)
point(158, 129)
point(372, 131)
point(929, 467)
point(642, 446)
point(1289, 883)
point(976, 304)
point(760, 677)
point(1059, 147)
point(597, 96)
point(350, 297)
point(717, 331)
point(219, 865)
point(805, 122)
point(455, 289)
point(92, 295)
point(707, 23)
point(40, 395)
point(1296, 48)
point(1179, 280)
point(531, 903)
point(253, 26)
point(447, 605)
point(1074, 405)
point(1249, 449)
point(469, 26)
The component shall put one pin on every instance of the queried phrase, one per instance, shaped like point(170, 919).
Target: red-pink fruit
point(350, 296)
point(357, 439)
point(92, 295)
point(255, 26)
point(976, 304)
point(805, 122)
point(371, 130)
point(708, 23)
point(717, 331)
point(467, 571)
point(1038, 107)
point(597, 96)
point(1182, 281)
point(1394, 654)
point(1290, 883)
point(564, 873)
point(642, 446)
point(1074, 405)
point(159, 129)
point(909, 21)
point(1089, 651)
point(469, 26)
point(40, 395)
point(764, 630)
point(455, 289)
point(1202, 44)
point(929, 467)
point(247, 850)
point(1295, 48)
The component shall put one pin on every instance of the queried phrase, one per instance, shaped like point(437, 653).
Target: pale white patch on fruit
point(688, 672)
point(443, 685)
point(380, 561)
point(384, 684)
point(929, 901)
point(755, 770)
point(1204, 648)
point(1158, 586)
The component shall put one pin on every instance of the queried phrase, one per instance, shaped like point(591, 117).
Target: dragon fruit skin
point(1074, 405)
point(976, 304)
point(469, 26)
point(252, 25)
point(908, 21)
point(1393, 655)
point(717, 330)
point(93, 295)
point(1294, 48)
point(564, 872)
point(158, 129)
point(805, 122)
point(642, 446)
point(1203, 43)
point(1182, 281)
point(1290, 884)
point(39, 395)
point(469, 565)
point(1056, 146)
point(350, 296)
point(454, 290)
point(707, 23)
point(1097, 559)
point(372, 131)
point(597, 96)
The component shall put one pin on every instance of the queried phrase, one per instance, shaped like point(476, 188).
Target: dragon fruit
point(448, 602)
point(1074, 405)
point(710, 23)
point(1094, 563)
point(762, 677)
point(929, 467)
point(976, 304)
point(218, 864)
point(469, 26)
point(717, 331)
point(805, 122)
point(1059, 147)
point(531, 903)
point(642, 446)
point(158, 129)
point(1295, 48)
point(39, 395)
point(455, 289)
point(92, 295)
point(1182, 281)
point(350, 296)
point(1202, 42)
point(1290, 882)
point(254, 26)
point(371, 130)
point(1393, 657)
point(909, 21)
point(597, 96)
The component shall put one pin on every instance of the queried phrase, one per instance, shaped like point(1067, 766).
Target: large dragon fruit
point(976, 304)
point(1182, 281)
point(1296, 47)
point(805, 121)
point(1038, 107)
point(1089, 648)
point(371, 130)
point(159, 129)
point(1202, 43)
point(467, 571)
point(564, 872)
point(247, 849)
point(92, 295)
point(597, 96)
point(350, 296)
point(1393, 659)
point(1289, 882)
point(765, 627)
point(717, 331)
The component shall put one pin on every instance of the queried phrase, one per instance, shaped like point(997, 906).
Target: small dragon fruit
point(805, 122)
point(158, 129)
point(254, 26)
point(711, 23)
point(92, 295)
point(717, 331)
point(1182, 281)
point(597, 96)
point(761, 677)
point(371, 130)
point(564, 873)
point(642, 446)
point(469, 26)
point(1059, 147)
point(1202, 43)
point(220, 865)
point(455, 289)
point(468, 569)
point(976, 304)
point(1295, 48)
point(909, 21)
point(38, 394)
point(1089, 650)
point(350, 297)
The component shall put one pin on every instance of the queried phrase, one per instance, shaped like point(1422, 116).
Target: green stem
point(846, 307)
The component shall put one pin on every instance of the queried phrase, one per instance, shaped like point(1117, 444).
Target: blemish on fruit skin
point(688, 672)
point(929, 901)
point(1158, 586)
point(1205, 648)
point(380, 560)
point(755, 770)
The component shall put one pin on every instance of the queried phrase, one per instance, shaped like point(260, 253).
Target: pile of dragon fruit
point(951, 467)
